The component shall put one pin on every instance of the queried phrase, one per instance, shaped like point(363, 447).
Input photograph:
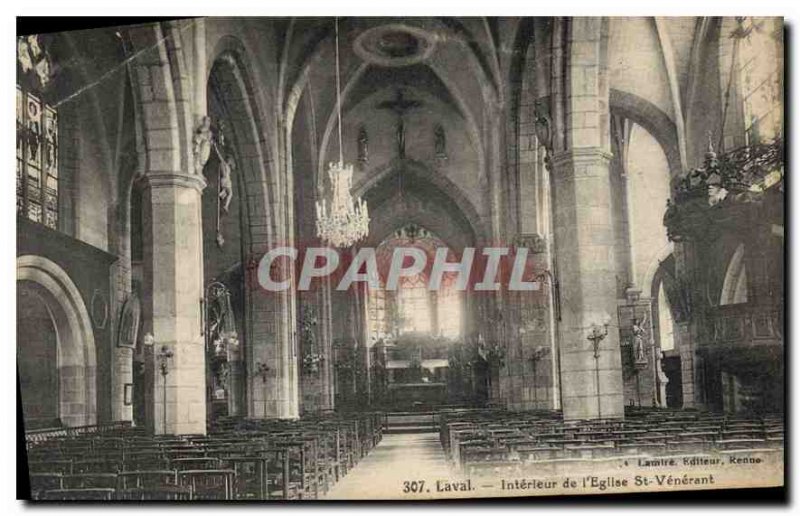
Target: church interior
point(639, 160)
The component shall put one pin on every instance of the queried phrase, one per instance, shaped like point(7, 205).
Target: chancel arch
point(189, 149)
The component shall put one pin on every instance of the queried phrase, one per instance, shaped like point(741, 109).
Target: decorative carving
point(400, 106)
point(99, 309)
point(538, 354)
point(394, 45)
point(363, 146)
point(740, 177)
point(226, 167)
point(204, 141)
point(51, 144)
point(532, 241)
point(492, 353)
point(412, 232)
point(129, 321)
point(201, 144)
point(222, 340)
point(742, 328)
point(543, 125)
point(440, 143)
point(221, 326)
point(308, 338)
point(639, 333)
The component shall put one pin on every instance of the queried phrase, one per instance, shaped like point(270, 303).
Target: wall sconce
point(598, 332)
point(262, 369)
point(164, 356)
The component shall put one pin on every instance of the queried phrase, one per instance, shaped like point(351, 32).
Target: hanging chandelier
point(345, 221)
point(341, 221)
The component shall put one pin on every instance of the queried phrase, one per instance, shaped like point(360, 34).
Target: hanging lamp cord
point(338, 91)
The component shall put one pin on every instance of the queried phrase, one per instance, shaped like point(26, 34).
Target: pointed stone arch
point(77, 362)
point(260, 180)
point(734, 286)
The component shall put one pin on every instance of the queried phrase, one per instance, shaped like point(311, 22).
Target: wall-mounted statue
point(639, 333)
point(363, 146)
point(400, 106)
point(205, 139)
point(226, 168)
point(129, 321)
point(201, 144)
point(440, 143)
point(543, 125)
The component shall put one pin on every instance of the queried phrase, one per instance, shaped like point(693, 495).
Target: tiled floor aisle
point(397, 458)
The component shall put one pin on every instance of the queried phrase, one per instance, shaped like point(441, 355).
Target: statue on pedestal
point(201, 144)
point(639, 334)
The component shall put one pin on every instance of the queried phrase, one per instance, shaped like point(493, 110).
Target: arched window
point(413, 308)
point(414, 305)
point(449, 310)
point(37, 137)
point(760, 78)
point(378, 312)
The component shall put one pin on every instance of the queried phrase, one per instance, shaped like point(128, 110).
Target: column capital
point(581, 155)
point(181, 179)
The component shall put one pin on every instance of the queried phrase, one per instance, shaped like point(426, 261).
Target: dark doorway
point(37, 359)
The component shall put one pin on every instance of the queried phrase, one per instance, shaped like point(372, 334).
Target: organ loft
point(167, 173)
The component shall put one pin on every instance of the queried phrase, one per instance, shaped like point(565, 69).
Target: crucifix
point(400, 106)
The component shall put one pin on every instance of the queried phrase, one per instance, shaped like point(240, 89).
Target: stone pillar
point(583, 226)
point(689, 365)
point(313, 338)
point(326, 348)
point(272, 394)
point(235, 382)
point(536, 340)
point(584, 247)
point(527, 379)
point(173, 289)
point(123, 375)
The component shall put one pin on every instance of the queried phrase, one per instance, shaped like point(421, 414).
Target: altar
point(410, 395)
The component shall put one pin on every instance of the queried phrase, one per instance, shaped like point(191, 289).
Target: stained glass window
point(760, 73)
point(37, 159)
point(414, 304)
point(379, 320)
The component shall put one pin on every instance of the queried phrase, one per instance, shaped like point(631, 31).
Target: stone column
point(583, 226)
point(271, 392)
point(123, 375)
point(326, 348)
point(584, 246)
point(235, 382)
point(684, 344)
point(173, 288)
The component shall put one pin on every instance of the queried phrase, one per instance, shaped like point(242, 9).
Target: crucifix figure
point(400, 106)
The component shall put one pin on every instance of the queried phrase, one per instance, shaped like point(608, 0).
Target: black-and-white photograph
point(399, 258)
